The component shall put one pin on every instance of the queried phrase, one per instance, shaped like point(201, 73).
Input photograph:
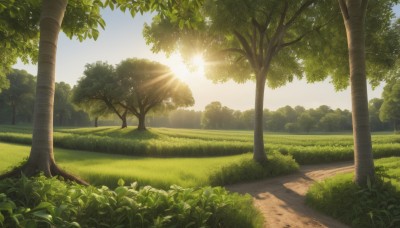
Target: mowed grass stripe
point(106, 169)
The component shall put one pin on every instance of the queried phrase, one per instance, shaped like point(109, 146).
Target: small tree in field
point(146, 86)
point(98, 92)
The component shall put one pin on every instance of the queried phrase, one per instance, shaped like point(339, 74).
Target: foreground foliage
point(247, 169)
point(44, 202)
point(376, 205)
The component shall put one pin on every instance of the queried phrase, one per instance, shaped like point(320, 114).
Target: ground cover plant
point(164, 142)
point(377, 205)
point(49, 202)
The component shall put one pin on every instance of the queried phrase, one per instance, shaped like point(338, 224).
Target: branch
point(305, 34)
point(298, 39)
point(343, 8)
point(299, 11)
point(237, 50)
point(283, 14)
point(246, 47)
point(269, 17)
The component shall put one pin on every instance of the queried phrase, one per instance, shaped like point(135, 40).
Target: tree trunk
point(96, 119)
point(41, 157)
point(142, 120)
point(14, 114)
point(354, 12)
point(258, 150)
point(123, 118)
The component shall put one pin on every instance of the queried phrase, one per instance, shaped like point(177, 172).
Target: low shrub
point(247, 169)
point(376, 205)
point(49, 202)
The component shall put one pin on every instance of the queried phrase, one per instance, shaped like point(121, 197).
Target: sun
point(198, 64)
point(186, 72)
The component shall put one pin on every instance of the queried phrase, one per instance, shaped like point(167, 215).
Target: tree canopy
point(98, 92)
point(259, 43)
point(20, 95)
point(390, 109)
point(146, 85)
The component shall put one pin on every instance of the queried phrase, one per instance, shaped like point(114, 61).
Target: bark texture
point(259, 154)
point(142, 122)
point(41, 157)
point(354, 12)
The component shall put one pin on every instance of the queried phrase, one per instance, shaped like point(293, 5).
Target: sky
point(122, 39)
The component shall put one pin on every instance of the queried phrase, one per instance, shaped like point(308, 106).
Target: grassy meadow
point(165, 142)
point(164, 157)
point(106, 169)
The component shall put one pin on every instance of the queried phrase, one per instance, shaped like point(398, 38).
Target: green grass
point(165, 142)
point(106, 169)
point(377, 205)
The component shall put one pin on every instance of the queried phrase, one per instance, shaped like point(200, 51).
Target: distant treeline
point(284, 119)
point(16, 107)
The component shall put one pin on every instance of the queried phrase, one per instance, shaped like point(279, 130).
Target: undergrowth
point(376, 205)
point(247, 169)
point(49, 202)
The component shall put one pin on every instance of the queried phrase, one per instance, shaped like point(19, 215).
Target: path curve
point(282, 199)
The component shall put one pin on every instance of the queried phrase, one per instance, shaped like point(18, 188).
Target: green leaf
point(43, 205)
point(95, 34)
point(121, 182)
point(7, 206)
point(43, 215)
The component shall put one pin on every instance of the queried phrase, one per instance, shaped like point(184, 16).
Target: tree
point(19, 35)
point(374, 106)
point(82, 20)
point(259, 43)
point(98, 91)
point(216, 116)
point(150, 86)
point(306, 122)
point(390, 109)
point(354, 17)
point(20, 94)
point(62, 105)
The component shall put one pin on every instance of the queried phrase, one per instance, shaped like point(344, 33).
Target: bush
point(377, 205)
point(44, 202)
point(247, 169)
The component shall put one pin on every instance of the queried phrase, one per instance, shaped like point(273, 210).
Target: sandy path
point(282, 199)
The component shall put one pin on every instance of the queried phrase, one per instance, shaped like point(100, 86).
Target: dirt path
point(282, 199)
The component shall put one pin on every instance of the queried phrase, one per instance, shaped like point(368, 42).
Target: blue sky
point(123, 39)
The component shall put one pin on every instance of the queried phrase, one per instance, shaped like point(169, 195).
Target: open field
point(164, 142)
point(106, 169)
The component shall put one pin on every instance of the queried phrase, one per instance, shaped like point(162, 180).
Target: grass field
point(165, 142)
point(106, 169)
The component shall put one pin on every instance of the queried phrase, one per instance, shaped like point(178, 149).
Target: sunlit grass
point(166, 142)
point(376, 205)
point(106, 169)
